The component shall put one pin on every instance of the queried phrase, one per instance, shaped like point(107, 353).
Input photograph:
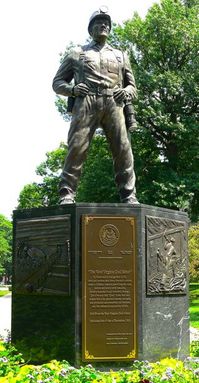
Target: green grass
point(4, 292)
point(194, 313)
point(194, 305)
point(193, 286)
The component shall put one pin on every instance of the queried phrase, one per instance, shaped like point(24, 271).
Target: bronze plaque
point(109, 311)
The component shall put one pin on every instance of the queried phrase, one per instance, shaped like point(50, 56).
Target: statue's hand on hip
point(80, 89)
point(120, 95)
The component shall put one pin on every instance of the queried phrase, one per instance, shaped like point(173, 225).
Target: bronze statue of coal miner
point(103, 87)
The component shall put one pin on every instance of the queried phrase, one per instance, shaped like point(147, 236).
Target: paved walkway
point(194, 334)
point(5, 314)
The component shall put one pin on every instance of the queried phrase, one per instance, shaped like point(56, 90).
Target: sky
point(33, 33)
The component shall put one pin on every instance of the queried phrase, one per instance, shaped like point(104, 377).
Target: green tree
point(163, 50)
point(5, 246)
point(97, 180)
point(194, 252)
point(44, 193)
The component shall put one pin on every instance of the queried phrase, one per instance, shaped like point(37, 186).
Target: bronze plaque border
point(86, 356)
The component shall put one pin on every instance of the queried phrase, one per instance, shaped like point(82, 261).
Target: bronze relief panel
point(166, 256)
point(42, 256)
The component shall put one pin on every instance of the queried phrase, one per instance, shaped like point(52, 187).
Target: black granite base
point(55, 309)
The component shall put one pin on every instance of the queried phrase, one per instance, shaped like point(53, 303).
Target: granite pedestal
point(100, 283)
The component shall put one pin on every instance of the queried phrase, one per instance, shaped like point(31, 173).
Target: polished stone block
point(43, 303)
point(73, 298)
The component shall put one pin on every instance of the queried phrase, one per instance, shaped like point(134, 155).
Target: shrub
point(194, 349)
point(13, 370)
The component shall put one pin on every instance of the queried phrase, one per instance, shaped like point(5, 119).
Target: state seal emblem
point(109, 235)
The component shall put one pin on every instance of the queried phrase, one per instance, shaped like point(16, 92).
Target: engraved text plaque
point(109, 314)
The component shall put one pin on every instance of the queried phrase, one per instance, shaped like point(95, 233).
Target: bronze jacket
point(100, 68)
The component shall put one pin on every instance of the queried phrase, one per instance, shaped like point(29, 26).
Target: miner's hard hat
point(101, 13)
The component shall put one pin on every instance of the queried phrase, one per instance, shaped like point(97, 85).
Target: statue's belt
point(101, 92)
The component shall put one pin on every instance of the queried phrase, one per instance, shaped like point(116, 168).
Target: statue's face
point(100, 29)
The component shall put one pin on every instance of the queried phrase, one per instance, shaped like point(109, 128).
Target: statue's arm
point(129, 80)
point(61, 82)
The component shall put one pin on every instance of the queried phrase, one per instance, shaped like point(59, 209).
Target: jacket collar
point(94, 43)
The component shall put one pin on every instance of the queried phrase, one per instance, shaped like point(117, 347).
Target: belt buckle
point(104, 92)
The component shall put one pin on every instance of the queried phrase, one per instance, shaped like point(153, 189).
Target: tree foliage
point(163, 49)
point(194, 252)
point(97, 181)
point(44, 193)
point(5, 246)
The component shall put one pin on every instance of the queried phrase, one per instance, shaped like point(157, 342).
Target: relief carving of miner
point(103, 88)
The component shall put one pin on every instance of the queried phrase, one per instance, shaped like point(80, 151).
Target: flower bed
point(14, 370)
